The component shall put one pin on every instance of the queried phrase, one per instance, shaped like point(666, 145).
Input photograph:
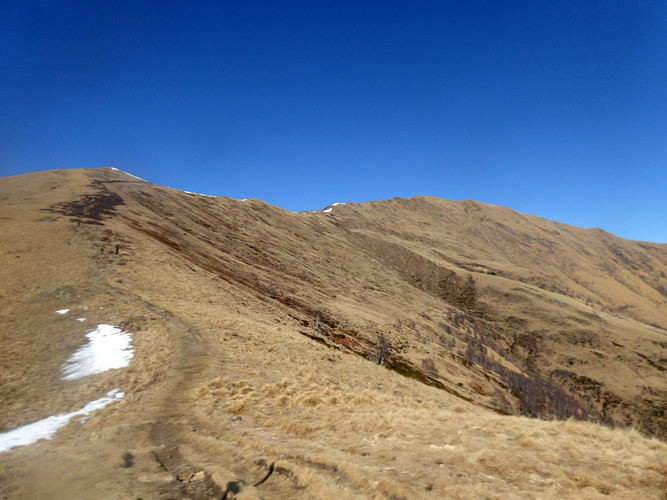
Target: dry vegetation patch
point(396, 446)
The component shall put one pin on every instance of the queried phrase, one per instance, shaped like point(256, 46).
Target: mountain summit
point(408, 348)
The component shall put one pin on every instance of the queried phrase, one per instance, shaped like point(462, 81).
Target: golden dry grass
point(374, 437)
point(222, 298)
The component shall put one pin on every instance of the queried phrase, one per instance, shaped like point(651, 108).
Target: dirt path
point(136, 455)
point(170, 417)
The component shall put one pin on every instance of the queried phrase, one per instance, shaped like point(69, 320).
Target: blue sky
point(551, 108)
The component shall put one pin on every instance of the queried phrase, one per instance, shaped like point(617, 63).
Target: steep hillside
point(579, 308)
point(372, 350)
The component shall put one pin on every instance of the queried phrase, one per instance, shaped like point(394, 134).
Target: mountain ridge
point(510, 312)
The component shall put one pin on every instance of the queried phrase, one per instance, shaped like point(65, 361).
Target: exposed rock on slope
point(259, 333)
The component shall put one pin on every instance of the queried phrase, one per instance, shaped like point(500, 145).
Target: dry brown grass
point(396, 444)
point(222, 297)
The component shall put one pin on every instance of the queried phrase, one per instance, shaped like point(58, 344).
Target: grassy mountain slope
point(379, 350)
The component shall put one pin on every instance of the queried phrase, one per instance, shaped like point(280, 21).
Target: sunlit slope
point(615, 274)
point(566, 321)
point(339, 354)
point(581, 307)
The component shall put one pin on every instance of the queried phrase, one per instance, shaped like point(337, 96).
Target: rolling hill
point(408, 348)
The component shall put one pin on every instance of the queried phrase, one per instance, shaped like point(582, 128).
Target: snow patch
point(108, 347)
point(126, 173)
point(62, 311)
point(47, 428)
point(143, 180)
point(81, 319)
point(330, 207)
point(197, 194)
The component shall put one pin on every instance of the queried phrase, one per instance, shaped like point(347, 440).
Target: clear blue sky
point(552, 108)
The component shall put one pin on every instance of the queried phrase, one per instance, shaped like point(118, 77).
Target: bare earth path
point(171, 416)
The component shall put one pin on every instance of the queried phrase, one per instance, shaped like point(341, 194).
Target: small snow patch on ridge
point(139, 178)
point(196, 194)
point(108, 347)
point(126, 173)
point(330, 207)
point(62, 311)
